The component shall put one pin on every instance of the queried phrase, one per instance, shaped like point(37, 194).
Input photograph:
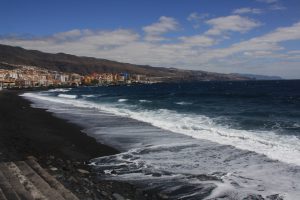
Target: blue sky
point(244, 36)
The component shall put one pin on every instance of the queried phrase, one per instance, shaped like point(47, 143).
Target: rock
point(254, 197)
point(65, 168)
point(72, 179)
point(274, 197)
point(118, 196)
point(104, 193)
point(163, 196)
point(83, 171)
point(53, 169)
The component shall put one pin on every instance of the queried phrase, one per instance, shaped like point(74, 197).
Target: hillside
point(87, 65)
point(261, 77)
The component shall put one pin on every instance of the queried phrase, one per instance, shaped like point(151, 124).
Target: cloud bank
point(263, 54)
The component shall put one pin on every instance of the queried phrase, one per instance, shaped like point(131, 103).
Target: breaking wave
point(60, 90)
point(88, 95)
point(183, 103)
point(122, 100)
point(285, 148)
point(68, 96)
point(144, 101)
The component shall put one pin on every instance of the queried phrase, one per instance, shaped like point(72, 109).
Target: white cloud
point(267, 43)
point(116, 37)
point(258, 53)
point(164, 25)
point(68, 34)
point(247, 11)
point(193, 17)
point(232, 23)
point(282, 34)
point(87, 42)
point(274, 4)
point(197, 18)
point(294, 52)
point(198, 40)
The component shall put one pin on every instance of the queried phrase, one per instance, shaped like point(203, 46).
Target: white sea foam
point(296, 125)
point(144, 101)
point(88, 95)
point(122, 100)
point(59, 90)
point(183, 103)
point(250, 172)
point(285, 148)
point(69, 96)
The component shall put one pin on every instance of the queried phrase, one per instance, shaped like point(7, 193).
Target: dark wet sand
point(31, 131)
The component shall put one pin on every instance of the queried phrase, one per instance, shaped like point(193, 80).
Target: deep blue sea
point(201, 140)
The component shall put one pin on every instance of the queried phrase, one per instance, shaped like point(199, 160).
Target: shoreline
point(59, 146)
point(116, 131)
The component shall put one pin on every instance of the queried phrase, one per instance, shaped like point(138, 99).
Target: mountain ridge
point(261, 77)
point(86, 65)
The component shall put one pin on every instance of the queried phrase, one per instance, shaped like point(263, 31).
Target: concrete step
point(28, 185)
point(68, 195)
point(39, 182)
point(27, 180)
point(2, 196)
point(7, 189)
point(14, 181)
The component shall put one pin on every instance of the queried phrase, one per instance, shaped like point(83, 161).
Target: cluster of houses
point(22, 76)
point(113, 78)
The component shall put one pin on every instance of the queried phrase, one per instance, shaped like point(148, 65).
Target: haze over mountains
point(261, 77)
point(87, 65)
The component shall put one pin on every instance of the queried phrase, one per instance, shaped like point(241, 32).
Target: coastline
point(154, 163)
point(59, 146)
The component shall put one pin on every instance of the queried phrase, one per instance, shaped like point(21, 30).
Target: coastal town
point(24, 76)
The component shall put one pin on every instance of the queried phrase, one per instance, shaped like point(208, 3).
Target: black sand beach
point(59, 146)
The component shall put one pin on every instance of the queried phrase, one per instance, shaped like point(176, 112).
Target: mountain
point(87, 65)
point(261, 77)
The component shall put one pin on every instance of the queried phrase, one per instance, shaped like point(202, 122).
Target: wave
point(122, 100)
point(69, 96)
point(60, 90)
point(88, 95)
point(144, 101)
point(285, 148)
point(183, 103)
point(296, 125)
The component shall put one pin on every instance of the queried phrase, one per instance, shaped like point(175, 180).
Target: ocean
point(200, 140)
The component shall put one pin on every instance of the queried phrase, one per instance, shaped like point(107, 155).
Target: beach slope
point(59, 146)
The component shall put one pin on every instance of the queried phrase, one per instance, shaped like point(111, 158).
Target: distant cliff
point(261, 77)
point(87, 65)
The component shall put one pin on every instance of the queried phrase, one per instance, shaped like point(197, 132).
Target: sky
point(226, 36)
